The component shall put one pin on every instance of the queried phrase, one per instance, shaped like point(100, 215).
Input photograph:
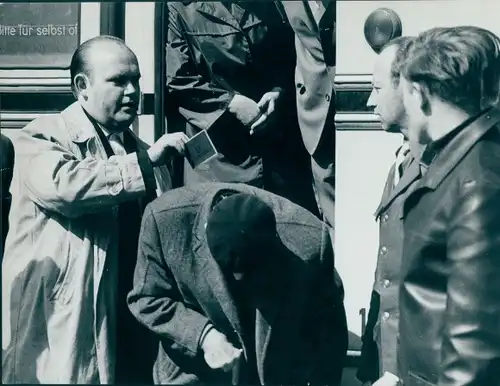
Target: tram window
point(38, 36)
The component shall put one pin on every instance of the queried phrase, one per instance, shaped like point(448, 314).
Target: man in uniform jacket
point(7, 164)
point(379, 350)
point(230, 275)
point(449, 298)
point(230, 70)
point(314, 26)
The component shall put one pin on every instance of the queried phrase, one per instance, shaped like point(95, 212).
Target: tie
point(317, 10)
point(116, 144)
point(402, 160)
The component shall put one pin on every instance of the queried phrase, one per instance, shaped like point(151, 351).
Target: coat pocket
point(417, 380)
point(71, 251)
point(63, 288)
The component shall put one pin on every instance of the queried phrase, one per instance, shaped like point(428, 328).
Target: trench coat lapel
point(299, 11)
point(82, 132)
point(218, 13)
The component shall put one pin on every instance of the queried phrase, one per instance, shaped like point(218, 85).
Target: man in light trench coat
point(76, 174)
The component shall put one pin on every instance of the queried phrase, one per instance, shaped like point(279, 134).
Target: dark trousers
point(136, 346)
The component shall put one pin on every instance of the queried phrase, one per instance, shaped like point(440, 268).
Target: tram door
point(364, 152)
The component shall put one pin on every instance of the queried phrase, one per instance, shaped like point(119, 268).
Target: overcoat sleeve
point(155, 299)
point(200, 101)
point(59, 180)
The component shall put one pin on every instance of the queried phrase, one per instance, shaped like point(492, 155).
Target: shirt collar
point(403, 149)
point(108, 134)
point(432, 150)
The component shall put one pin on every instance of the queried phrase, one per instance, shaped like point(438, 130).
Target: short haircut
point(460, 65)
point(402, 44)
point(79, 61)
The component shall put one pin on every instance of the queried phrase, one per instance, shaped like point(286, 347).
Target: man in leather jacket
point(449, 296)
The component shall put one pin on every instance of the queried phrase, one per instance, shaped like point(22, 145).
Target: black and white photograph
point(253, 192)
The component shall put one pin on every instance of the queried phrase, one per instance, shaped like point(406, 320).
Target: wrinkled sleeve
point(155, 300)
point(199, 100)
point(56, 180)
point(470, 353)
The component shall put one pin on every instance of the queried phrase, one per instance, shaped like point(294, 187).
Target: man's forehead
point(109, 62)
point(383, 64)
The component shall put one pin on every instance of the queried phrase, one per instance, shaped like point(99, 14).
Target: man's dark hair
point(460, 65)
point(403, 43)
point(79, 61)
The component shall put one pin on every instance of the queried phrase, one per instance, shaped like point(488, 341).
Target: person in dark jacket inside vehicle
point(450, 290)
point(230, 71)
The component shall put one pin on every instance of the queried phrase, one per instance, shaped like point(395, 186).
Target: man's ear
point(81, 85)
point(422, 94)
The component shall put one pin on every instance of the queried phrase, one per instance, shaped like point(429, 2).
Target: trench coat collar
point(208, 271)
point(215, 9)
point(302, 10)
point(442, 158)
point(80, 128)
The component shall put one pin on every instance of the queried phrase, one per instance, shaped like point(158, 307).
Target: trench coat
point(59, 269)
point(315, 94)
point(314, 72)
point(214, 53)
point(300, 327)
point(449, 295)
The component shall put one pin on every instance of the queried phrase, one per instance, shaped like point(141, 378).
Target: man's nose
point(371, 102)
point(132, 88)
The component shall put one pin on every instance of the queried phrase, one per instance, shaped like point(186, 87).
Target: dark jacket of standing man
point(229, 66)
point(314, 26)
point(450, 291)
point(7, 165)
point(287, 312)
point(379, 350)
